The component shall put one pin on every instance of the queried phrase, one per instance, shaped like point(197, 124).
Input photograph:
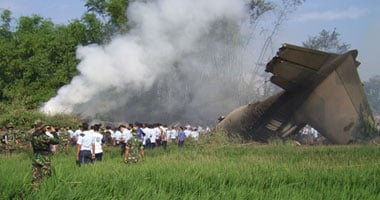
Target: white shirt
point(154, 134)
point(195, 135)
point(86, 140)
point(150, 133)
point(147, 134)
point(49, 134)
point(71, 132)
point(77, 133)
point(117, 135)
point(98, 142)
point(126, 135)
point(174, 134)
point(187, 132)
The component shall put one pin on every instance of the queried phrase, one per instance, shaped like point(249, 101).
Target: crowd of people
point(132, 139)
point(151, 135)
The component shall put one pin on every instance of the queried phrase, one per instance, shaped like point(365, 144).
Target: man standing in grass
point(10, 138)
point(41, 141)
point(181, 137)
point(134, 149)
point(125, 136)
point(86, 146)
point(99, 139)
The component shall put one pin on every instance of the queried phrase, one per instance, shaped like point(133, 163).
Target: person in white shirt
point(86, 146)
point(152, 136)
point(77, 133)
point(125, 136)
point(173, 134)
point(146, 139)
point(117, 136)
point(158, 133)
point(99, 139)
point(188, 131)
point(195, 134)
point(164, 137)
point(71, 134)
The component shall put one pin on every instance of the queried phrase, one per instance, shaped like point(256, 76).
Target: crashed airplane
point(320, 89)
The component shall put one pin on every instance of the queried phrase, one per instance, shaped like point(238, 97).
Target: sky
point(357, 21)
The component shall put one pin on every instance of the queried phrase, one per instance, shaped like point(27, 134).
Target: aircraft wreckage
point(320, 89)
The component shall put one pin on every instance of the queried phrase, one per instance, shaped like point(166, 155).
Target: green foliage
point(5, 26)
point(214, 172)
point(38, 57)
point(23, 118)
point(113, 13)
point(327, 41)
point(372, 89)
point(370, 126)
point(218, 137)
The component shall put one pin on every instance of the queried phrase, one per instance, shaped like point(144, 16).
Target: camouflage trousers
point(8, 148)
point(133, 155)
point(63, 147)
point(41, 167)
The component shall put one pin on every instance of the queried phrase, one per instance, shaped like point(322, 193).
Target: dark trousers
point(180, 143)
point(147, 144)
point(99, 156)
point(123, 148)
point(85, 157)
point(158, 142)
point(165, 144)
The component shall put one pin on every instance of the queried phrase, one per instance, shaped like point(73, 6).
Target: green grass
point(205, 172)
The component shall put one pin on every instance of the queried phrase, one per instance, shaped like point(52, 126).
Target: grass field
point(205, 172)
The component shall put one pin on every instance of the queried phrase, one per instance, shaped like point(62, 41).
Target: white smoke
point(183, 60)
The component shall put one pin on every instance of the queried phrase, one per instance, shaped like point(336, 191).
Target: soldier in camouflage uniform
point(41, 141)
point(2, 142)
point(64, 140)
point(134, 149)
point(23, 141)
point(11, 139)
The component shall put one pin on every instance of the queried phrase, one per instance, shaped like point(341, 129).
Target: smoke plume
point(184, 60)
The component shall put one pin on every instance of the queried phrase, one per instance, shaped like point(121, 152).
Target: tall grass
point(205, 172)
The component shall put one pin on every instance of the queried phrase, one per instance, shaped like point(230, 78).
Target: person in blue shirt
point(181, 137)
point(140, 132)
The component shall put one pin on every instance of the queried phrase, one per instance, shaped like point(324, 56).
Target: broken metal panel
point(295, 68)
point(328, 109)
point(335, 107)
point(246, 119)
point(353, 86)
point(308, 58)
point(290, 73)
point(321, 89)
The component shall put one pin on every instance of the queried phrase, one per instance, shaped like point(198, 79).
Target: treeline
point(372, 89)
point(37, 57)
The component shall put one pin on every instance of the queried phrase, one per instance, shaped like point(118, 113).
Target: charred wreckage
point(321, 89)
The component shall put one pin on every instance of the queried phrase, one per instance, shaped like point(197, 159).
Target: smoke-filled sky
point(182, 60)
point(191, 60)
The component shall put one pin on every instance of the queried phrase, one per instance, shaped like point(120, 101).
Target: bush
point(24, 118)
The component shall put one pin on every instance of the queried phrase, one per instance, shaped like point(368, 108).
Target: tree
point(5, 26)
point(258, 8)
point(112, 12)
point(327, 41)
point(372, 89)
